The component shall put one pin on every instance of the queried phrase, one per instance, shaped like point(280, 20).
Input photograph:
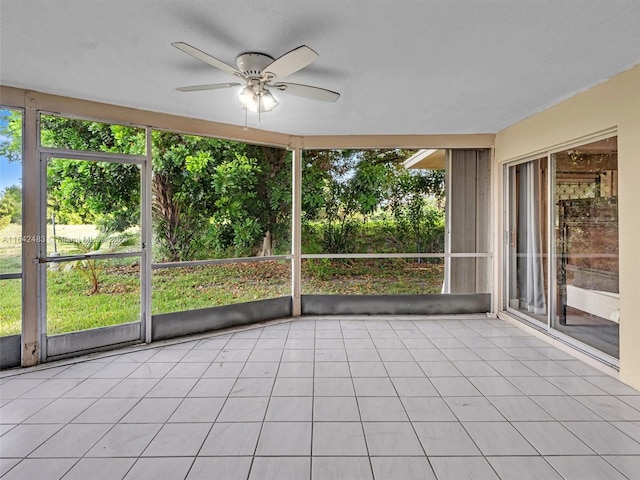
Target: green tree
point(11, 149)
point(11, 205)
point(343, 188)
point(274, 188)
point(11, 131)
point(62, 132)
point(103, 193)
point(187, 210)
point(237, 226)
point(107, 194)
point(214, 197)
point(415, 202)
point(183, 197)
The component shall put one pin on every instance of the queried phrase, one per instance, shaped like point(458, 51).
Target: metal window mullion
point(146, 240)
point(89, 256)
point(493, 196)
point(296, 232)
point(222, 261)
point(446, 287)
point(10, 276)
point(218, 261)
point(83, 118)
point(42, 251)
point(398, 255)
point(506, 229)
point(552, 278)
point(88, 156)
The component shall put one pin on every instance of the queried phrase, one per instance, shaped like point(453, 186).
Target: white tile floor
point(325, 398)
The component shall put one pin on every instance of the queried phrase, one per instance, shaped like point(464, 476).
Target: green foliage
point(61, 132)
point(315, 180)
point(234, 183)
point(343, 190)
point(186, 204)
point(330, 193)
point(274, 188)
point(11, 206)
point(10, 307)
point(417, 211)
point(11, 134)
point(107, 194)
point(215, 198)
point(367, 186)
point(11, 149)
point(183, 194)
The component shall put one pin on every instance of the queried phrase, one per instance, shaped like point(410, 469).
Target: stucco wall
point(611, 104)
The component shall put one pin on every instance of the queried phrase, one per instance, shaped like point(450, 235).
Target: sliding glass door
point(562, 244)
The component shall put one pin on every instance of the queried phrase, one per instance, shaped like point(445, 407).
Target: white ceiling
point(402, 66)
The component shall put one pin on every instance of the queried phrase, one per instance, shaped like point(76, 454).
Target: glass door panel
point(528, 265)
point(586, 244)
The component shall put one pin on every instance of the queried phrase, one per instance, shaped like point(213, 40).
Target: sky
point(10, 172)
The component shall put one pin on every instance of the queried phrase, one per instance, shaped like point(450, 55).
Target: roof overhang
point(427, 159)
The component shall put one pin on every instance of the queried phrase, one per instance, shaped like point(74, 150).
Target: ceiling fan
point(260, 73)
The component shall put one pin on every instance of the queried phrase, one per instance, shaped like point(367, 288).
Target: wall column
point(468, 218)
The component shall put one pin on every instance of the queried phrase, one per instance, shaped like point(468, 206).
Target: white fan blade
point(290, 62)
point(307, 91)
point(211, 86)
point(206, 58)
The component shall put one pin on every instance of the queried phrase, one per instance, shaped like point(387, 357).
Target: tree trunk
point(168, 210)
point(267, 245)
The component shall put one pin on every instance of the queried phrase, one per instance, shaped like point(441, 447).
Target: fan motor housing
point(251, 64)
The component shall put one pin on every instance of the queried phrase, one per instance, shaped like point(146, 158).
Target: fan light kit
point(259, 73)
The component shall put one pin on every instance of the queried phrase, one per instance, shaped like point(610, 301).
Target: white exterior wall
point(614, 104)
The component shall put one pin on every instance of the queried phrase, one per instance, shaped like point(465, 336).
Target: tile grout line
point(313, 396)
point(413, 428)
point(355, 393)
point(197, 455)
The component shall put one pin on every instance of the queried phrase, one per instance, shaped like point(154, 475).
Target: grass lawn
point(371, 276)
point(10, 302)
point(11, 248)
point(71, 308)
point(178, 289)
